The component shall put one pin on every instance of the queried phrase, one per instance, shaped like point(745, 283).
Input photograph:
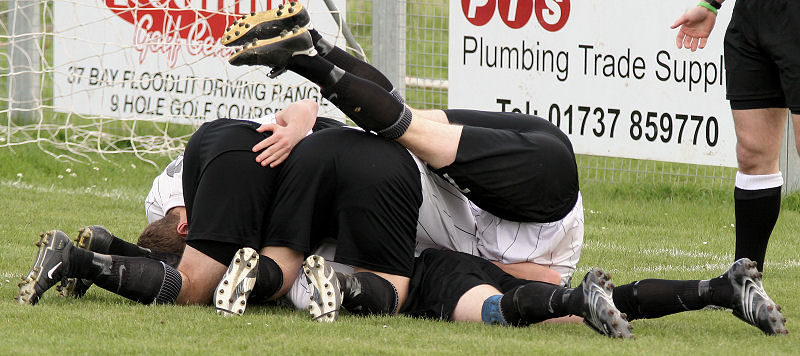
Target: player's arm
point(292, 124)
point(695, 26)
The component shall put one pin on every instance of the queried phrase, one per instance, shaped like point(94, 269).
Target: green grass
point(648, 230)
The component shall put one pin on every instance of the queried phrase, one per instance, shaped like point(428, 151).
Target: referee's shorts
point(762, 55)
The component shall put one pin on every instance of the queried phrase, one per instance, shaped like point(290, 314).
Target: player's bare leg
point(432, 141)
point(758, 139)
point(470, 304)
point(200, 275)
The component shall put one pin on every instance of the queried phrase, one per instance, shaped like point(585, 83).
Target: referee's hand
point(695, 27)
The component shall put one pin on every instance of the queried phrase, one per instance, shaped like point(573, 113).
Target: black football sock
point(717, 291)
point(756, 214)
point(140, 279)
point(87, 264)
point(348, 63)
point(369, 106)
point(316, 69)
point(534, 302)
point(170, 259)
point(654, 298)
point(269, 280)
point(121, 247)
point(367, 293)
point(363, 101)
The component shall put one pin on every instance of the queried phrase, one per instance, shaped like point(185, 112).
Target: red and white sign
point(608, 73)
point(550, 14)
point(174, 28)
point(162, 60)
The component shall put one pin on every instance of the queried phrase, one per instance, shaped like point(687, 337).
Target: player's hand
point(293, 123)
point(276, 148)
point(695, 27)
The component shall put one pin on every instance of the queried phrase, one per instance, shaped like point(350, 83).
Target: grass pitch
point(634, 232)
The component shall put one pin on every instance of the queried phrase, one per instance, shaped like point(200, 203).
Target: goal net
point(115, 76)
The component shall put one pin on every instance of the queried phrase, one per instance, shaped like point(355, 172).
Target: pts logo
point(551, 14)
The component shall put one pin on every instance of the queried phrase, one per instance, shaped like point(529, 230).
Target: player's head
point(167, 234)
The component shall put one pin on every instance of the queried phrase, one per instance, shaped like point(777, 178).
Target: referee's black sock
point(756, 213)
point(269, 280)
point(351, 64)
point(366, 103)
point(534, 302)
point(367, 293)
